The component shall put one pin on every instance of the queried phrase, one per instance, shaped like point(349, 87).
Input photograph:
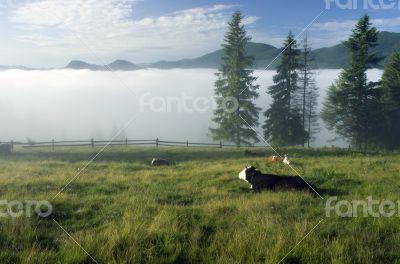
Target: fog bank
point(169, 104)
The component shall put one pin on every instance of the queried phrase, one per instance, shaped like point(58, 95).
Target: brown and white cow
point(276, 158)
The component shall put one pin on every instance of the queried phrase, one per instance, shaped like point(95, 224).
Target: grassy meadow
point(121, 210)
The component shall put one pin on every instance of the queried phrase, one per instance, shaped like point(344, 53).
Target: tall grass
point(121, 210)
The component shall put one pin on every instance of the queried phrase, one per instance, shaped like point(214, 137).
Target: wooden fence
point(126, 142)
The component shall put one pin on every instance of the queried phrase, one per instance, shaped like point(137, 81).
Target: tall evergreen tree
point(390, 133)
point(312, 115)
point(352, 102)
point(235, 90)
point(283, 125)
point(309, 93)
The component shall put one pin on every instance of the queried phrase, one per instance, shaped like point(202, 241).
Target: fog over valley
point(81, 104)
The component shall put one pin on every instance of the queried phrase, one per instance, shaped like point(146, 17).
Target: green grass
point(121, 210)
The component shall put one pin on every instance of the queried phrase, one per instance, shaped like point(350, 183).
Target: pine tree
point(391, 102)
point(309, 93)
point(352, 103)
point(283, 125)
point(312, 116)
point(235, 90)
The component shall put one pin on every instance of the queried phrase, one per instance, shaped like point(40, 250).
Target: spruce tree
point(390, 133)
point(283, 125)
point(312, 115)
point(351, 105)
point(235, 90)
point(309, 93)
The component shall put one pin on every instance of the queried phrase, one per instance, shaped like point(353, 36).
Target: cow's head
point(247, 173)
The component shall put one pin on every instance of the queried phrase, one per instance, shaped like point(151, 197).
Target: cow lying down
point(160, 162)
point(260, 181)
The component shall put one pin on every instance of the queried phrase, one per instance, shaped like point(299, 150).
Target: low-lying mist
point(79, 105)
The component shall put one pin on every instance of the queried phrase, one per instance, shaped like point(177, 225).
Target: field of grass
point(121, 210)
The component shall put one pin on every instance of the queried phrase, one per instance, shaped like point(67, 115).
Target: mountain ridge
point(121, 65)
point(334, 57)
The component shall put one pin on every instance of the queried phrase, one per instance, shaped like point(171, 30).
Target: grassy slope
point(122, 211)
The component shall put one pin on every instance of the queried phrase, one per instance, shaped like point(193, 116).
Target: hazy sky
point(50, 33)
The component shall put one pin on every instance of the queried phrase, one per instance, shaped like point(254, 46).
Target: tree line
point(365, 113)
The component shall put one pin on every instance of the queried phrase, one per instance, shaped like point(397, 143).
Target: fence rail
point(126, 142)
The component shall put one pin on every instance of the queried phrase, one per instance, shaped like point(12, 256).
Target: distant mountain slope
point(334, 57)
point(123, 65)
point(263, 52)
point(388, 42)
point(325, 58)
point(338, 56)
point(18, 67)
point(80, 65)
point(118, 65)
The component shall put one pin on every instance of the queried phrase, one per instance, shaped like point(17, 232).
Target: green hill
point(118, 65)
point(334, 57)
point(331, 58)
point(338, 56)
point(263, 52)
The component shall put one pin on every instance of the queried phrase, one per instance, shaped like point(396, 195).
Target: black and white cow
point(260, 181)
point(160, 162)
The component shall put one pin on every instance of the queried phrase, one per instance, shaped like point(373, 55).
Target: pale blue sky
point(50, 33)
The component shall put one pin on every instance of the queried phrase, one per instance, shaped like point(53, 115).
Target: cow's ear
point(250, 173)
point(250, 167)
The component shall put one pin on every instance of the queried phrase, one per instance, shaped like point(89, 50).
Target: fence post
point(52, 144)
point(187, 143)
point(157, 142)
point(92, 142)
point(12, 145)
point(126, 141)
point(220, 144)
